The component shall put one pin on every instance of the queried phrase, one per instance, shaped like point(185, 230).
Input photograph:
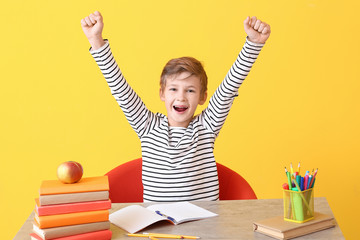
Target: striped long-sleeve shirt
point(178, 163)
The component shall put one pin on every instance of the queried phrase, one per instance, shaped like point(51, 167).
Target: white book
point(58, 232)
point(52, 199)
point(134, 218)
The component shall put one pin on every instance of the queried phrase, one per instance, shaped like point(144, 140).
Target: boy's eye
point(191, 90)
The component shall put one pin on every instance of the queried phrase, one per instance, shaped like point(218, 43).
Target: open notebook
point(135, 218)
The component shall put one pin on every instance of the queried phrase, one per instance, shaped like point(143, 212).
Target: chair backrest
point(233, 186)
point(126, 185)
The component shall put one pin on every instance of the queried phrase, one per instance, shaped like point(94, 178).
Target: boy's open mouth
point(180, 108)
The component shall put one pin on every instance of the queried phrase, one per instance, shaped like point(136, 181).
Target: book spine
point(73, 197)
point(56, 232)
point(98, 235)
point(71, 218)
point(34, 236)
point(72, 207)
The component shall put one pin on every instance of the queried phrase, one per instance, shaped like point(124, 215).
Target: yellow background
point(299, 103)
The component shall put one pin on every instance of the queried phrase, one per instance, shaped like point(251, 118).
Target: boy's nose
point(180, 96)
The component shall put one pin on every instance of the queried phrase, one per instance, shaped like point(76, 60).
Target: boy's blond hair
point(191, 65)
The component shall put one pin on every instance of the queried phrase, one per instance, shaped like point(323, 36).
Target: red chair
point(232, 185)
point(126, 185)
point(125, 182)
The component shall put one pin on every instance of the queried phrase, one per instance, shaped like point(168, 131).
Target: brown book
point(73, 197)
point(278, 228)
point(57, 232)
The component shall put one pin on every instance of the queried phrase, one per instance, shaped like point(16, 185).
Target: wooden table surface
point(234, 221)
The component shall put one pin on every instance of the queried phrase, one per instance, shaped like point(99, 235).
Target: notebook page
point(134, 218)
point(182, 211)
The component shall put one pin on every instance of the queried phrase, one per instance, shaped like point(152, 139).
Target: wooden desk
point(234, 221)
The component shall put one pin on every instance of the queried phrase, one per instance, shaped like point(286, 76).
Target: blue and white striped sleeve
point(215, 114)
point(133, 107)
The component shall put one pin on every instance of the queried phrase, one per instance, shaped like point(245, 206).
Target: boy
point(177, 149)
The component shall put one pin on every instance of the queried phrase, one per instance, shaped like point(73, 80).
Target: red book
point(65, 231)
point(99, 235)
point(71, 207)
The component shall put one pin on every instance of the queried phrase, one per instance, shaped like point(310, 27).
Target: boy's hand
point(92, 26)
point(257, 31)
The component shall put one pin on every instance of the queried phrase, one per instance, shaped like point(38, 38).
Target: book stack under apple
point(77, 211)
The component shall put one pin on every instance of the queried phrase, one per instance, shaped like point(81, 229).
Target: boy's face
point(182, 96)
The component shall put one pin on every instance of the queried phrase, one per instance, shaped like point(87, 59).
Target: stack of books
point(76, 211)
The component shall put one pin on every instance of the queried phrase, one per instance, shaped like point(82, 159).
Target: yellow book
point(71, 219)
point(90, 184)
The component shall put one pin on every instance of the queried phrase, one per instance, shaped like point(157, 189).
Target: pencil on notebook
point(161, 235)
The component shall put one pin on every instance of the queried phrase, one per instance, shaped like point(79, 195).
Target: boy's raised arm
point(92, 26)
point(220, 103)
point(134, 109)
point(257, 31)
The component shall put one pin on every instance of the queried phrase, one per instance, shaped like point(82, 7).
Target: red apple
point(69, 172)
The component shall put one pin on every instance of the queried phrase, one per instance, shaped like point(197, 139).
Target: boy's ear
point(203, 99)
point(161, 94)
